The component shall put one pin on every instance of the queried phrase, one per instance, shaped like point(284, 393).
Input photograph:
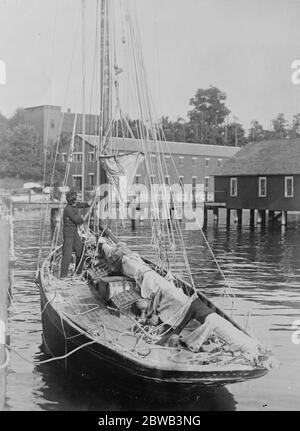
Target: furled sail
point(121, 170)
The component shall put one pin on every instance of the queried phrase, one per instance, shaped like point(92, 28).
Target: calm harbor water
point(262, 267)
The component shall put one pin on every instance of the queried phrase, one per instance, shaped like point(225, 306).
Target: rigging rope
point(43, 214)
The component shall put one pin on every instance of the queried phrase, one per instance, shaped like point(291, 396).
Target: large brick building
point(48, 119)
point(188, 163)
point(193, 163)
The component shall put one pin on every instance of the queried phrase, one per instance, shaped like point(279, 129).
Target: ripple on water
point(263, 270)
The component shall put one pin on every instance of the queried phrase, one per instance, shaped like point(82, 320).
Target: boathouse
point(262, 176)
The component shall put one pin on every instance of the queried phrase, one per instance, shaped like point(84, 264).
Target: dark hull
point(104, 364)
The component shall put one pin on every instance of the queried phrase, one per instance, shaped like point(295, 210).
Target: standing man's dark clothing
point(72, 242)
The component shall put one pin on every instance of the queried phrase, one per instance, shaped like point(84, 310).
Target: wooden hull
point(106, 364)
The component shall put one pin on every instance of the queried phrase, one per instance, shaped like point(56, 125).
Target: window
point(137, 179)
point(77, 157)
point(77, 181)
point(262, 187)
point(167, 180)
point(64, 157)
point(233, 187)
point(152, 179)
point(91, 180)
point(194, 161)
point(207, 163)
point(289, 187)
point(181, 158)
point(91, 156)
point(219, 163)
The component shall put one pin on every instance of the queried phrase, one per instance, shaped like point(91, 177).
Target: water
point(261, 266)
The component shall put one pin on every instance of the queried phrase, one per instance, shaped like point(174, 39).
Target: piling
point(271, 215)
point(283, 218)
point(228, 213)
point(239, 216)
point(252, 217)
point(205, 216)
point(259, 217)
point(54, 213)
point(216, 215)
point(4, 286)
point(133, 224)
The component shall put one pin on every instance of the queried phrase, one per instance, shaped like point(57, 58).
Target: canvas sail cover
point(121, 170)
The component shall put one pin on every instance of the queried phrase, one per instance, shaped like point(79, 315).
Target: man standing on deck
point(72, 242)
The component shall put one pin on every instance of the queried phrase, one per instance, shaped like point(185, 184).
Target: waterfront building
point(262, 176)
point(193, 163)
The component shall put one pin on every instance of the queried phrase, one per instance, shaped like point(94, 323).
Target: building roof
point(30, 108)
point(128, 144)
point(277, 157)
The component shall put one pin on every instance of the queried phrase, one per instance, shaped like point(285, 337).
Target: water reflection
point(61, 392)
point(262, 266)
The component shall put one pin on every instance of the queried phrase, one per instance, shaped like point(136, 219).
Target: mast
point(83, 104)
point(105, 80)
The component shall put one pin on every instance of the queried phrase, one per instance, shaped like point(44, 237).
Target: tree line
point(22, 152)
point(208, 123)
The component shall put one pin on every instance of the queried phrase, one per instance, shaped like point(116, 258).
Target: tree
point(17, 118)
point(235, 135)
point(3, 124)
point(21, 153)
point(256, 132)
point(208, 115)
point(294, 131)
point(280, 127)
point(209, 107)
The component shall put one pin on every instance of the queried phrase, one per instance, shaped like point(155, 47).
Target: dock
point(6, 255)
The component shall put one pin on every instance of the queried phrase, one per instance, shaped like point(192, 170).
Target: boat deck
point(77, 301)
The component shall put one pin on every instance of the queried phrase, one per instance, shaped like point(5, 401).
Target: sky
point(245, 48)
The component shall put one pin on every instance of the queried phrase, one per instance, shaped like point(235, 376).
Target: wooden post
point(271, 215)
point(283, 218)
point(205, 216)
point(54, 217)
point(133, 219)
point(4, 285)
point(252, 217)
point(216, 215)
point(228, 213)
point(259, 217)
point(239, 215)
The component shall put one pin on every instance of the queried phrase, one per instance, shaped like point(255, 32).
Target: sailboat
point(96, 324)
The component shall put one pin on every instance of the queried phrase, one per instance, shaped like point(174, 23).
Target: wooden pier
point(6, 254)
point(256, 216)
point(28, 206)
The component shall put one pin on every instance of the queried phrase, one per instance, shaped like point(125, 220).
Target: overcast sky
point(243, 47)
